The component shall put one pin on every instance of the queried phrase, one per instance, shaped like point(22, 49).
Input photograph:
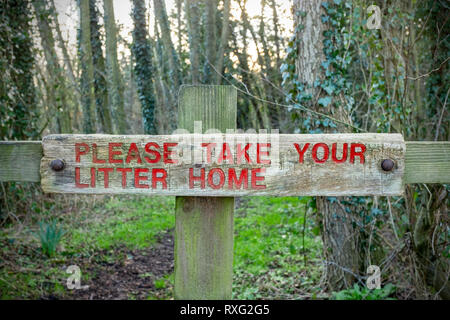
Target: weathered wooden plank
point(427, 162)
point(204, 225)
point(330, 165)
point(20, 160)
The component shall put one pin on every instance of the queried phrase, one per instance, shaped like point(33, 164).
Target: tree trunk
point(87, 69)
point(174, 62)
point(433, 264)
point(114, 77)
point(260, 106)
point(76, 120)
point(143, 68)
point(179, 4)
point(56, 92)
point(192, 16)
point(210, 42)
point(262, 36)
point(247, 116)
point(276, 34)
point(101, 93)
point(223, 42)
point(174, 73)
point(164, 98)
point(340, 241)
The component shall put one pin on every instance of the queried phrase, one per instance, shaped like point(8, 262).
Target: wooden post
point(204, 225)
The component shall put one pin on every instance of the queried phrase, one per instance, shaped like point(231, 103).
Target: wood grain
point(20, 160)
point(204, 225)
point(427, 162)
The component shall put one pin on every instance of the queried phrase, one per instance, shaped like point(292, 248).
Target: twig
point(303, 237)
point(430, 72)
point(444, 285)
point(278, 104)
point(392, 218)
point(440, 118)
point(9, 284)
point(6, 199)
point(359, 278)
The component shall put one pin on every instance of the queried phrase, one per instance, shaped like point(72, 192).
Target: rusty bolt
point(387, 165)
point(57, 165)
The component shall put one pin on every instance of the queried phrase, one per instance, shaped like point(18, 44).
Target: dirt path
point(130, 277)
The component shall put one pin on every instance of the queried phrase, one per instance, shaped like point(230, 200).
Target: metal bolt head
point(57, 165)
point(387, 165)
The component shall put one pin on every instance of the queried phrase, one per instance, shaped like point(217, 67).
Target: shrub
point(363, 293)
point(49, 234)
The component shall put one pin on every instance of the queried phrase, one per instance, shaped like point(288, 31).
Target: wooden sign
point(224, 164)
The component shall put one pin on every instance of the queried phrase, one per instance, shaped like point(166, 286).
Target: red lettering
point(161, 179)
point(193, 178)
point(168, 153)
point(94, 155)
point(133, 153)
point(301, 152)
point(79, 152)
point(77, 179)
point(256, 178)
point(260, 153)
point(240, 152)
point(153, 152)
point(221, 179)
point(354, 153)
point(326, 152)
point(334, 152)
point(138, 178)
point(232, 178)
point(222, 156)
point(106, 172)
point(93, 177)
point(209, 147)
point(124, 172)
point(113, 153)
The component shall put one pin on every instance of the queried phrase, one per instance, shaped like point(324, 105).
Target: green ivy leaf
point(330, 88)
point(325, 101)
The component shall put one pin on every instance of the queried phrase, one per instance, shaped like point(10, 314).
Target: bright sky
point(68, 17)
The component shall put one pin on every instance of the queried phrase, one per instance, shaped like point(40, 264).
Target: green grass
point(275, 250)
point(363, 293)
point(134, 224)
point(163, 282)
point(33, 280)
point(276, 253)
point(131, 222)
point(164, 288)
